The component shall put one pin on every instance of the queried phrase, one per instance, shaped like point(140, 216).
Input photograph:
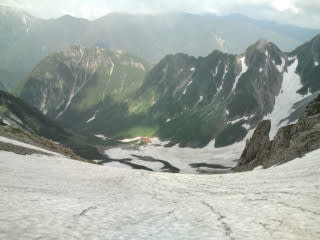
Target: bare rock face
point(290, 142)
point(257, 146)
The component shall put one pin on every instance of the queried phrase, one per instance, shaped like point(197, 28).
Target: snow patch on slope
point(225, 71)
point(280, 68)
point(128, 140)
point(219, 88)
point(25, 22)
point(186, 88)
point(101, 136)
point(43, 104)
point(79, 80)
point(244, 69)
point(5, 121)
point(287, 97)
point(91, 119)
point(244, 118)
point(138, 65)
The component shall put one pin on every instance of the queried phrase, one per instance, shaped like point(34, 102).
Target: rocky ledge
point(290, 142)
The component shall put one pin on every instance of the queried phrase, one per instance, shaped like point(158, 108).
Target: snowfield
point(287, 97)
point(51, 197)
point(178, 157)
point(244, 69)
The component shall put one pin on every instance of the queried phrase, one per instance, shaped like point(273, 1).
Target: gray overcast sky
point(298, 12)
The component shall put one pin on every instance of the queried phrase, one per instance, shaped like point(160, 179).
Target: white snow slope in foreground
point(51, 197)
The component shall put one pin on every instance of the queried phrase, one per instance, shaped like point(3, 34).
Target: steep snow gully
point(51, 197)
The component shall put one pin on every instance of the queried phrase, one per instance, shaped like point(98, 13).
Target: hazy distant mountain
point(298, 33)
point(25, 40)
point(14, 26)
point(186, 99)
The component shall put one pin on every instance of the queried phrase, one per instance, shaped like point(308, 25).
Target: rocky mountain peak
point(263, 54)
point(262, 44)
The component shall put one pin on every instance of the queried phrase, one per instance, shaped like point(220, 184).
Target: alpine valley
point(163, 126)
point(213, 102)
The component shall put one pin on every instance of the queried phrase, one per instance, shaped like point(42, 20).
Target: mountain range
point(25, 40)
point(188, 100)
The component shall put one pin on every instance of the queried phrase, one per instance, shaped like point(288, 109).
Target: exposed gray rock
point(291, 141)
point(257, 148)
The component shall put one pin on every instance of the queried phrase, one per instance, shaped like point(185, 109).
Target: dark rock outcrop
point(290, 142)
point(258, 147)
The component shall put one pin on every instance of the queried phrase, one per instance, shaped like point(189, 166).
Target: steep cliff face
point(290, 142)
